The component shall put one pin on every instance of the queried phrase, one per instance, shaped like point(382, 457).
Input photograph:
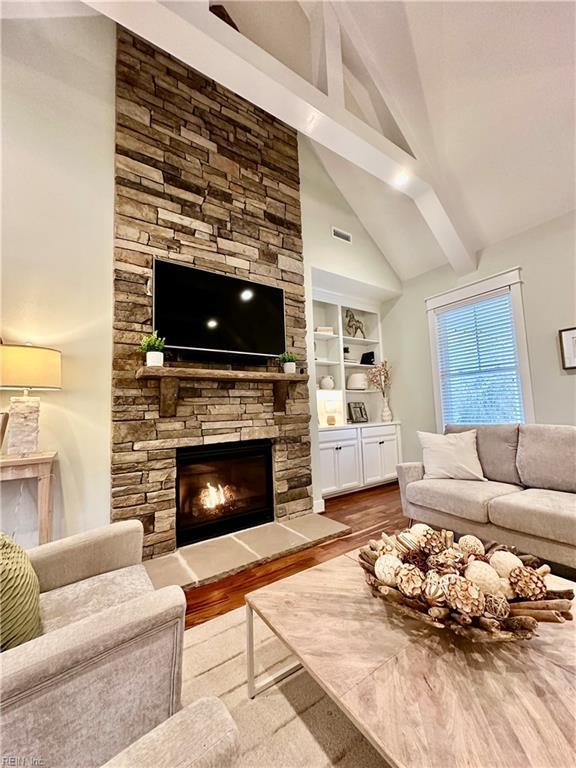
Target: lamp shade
point(27, 367)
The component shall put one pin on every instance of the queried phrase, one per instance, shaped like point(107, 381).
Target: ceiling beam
point(326, 52)
point(455, 239)
point(317, 49)
point(333, 53)
point(206, 44)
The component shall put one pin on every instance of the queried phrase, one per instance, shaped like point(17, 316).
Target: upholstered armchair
point(102, 684)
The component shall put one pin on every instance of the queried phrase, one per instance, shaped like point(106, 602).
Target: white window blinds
point(478, 373)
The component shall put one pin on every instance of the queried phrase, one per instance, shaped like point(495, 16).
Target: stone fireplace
point(205, 178)
point(222, 488)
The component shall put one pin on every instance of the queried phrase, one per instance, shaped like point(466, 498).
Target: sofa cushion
point(462, 498)
point(450, 456)
point(547, 457)
point(68, 604)
point(497, 445)
point(546, 514)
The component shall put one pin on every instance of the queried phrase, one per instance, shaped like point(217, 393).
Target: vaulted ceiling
point(482, 93)
point(485, 91)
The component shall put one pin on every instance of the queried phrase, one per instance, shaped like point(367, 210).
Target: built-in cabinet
point(380, 453)
point(353, 457)
point(352, 454)
point(340, 461)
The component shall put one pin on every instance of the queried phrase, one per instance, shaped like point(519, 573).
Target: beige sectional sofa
point(528, 499)
point(102, 684)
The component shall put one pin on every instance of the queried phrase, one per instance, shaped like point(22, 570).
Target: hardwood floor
point(367, 513)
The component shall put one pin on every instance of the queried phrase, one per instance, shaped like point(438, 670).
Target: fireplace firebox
point(222, 488)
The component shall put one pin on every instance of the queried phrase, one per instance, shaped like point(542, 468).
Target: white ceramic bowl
point(357, 381)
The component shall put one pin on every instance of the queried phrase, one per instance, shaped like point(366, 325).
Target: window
point(480, 361)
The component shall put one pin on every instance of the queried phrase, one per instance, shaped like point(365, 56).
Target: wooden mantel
point(170, 382)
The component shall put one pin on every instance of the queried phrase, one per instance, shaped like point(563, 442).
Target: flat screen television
point(204, 311)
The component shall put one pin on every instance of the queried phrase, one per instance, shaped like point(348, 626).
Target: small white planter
point(289, 367)
point(155, 358)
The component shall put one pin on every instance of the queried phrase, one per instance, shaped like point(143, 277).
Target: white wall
point(57, 244)
point(324, 207)
point(361, 262)
point(547, 256)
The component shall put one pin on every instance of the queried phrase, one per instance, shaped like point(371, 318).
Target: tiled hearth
point(205, 178)
point(208, 561)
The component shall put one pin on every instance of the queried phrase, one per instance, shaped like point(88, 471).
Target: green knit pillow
point(19, 596)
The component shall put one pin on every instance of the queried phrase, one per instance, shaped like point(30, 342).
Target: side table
point(39, 466)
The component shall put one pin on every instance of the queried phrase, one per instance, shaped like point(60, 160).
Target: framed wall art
point(568, 348)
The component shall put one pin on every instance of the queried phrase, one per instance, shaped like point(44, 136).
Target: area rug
point(291, 725)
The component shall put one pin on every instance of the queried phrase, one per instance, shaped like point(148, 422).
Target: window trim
point(508, 281)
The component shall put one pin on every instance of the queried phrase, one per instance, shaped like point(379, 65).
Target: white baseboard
point(318, 505)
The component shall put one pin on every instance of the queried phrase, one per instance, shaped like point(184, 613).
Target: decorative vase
point(289, 367)
point(155, 358)
point(386, 412)
point(327, 382)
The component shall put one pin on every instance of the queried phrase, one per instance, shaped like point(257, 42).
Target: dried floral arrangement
point(380, 376)
point(485, 593)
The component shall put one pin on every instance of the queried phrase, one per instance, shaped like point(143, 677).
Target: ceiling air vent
point(339, 234)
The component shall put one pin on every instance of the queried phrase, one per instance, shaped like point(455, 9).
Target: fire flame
point(213, 497)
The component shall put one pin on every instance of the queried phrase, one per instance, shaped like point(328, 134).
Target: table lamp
point(25, 367)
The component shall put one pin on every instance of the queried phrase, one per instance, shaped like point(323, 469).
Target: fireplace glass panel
point(222, 489)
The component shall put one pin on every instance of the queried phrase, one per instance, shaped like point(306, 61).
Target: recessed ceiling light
point(247, 294)
point(212, 323)
point(401, 179)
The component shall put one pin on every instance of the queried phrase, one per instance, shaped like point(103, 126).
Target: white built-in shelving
point(329, 356)
point(359, 341)
point(351, 455)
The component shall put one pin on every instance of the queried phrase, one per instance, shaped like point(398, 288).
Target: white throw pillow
point(452, 456)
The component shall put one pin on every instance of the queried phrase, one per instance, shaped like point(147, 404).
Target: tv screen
point(199, 310)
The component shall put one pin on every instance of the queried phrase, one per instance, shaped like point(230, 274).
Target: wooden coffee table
point(421, 700)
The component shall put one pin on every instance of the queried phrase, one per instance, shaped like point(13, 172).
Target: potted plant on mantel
point(153, 347)
point(288, 360)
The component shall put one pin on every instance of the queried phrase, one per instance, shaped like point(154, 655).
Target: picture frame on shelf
point(357, 413)
point(568, 348)
point(368, 358)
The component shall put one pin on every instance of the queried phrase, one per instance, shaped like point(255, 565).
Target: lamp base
point(23, 425)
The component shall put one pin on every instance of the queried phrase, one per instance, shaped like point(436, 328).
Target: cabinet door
point(389, 456)
point(329, 467)
point(349, 473)
point(371, 456)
